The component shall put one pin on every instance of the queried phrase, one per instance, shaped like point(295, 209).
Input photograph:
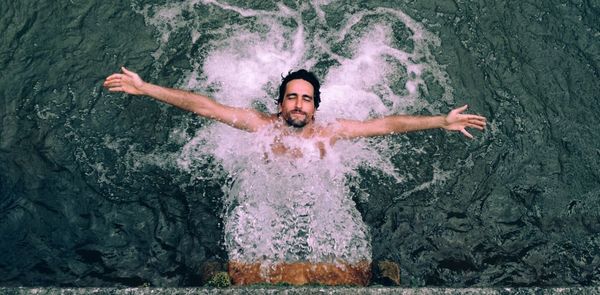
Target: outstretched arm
point(455, 121)
point(130, 82)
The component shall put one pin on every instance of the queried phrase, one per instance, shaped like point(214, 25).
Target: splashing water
point(299, 209)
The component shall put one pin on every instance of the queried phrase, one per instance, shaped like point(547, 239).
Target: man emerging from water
point(299, 98)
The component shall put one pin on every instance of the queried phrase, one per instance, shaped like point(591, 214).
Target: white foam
point(248, 61)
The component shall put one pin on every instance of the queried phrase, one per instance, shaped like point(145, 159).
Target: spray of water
point(281, 208)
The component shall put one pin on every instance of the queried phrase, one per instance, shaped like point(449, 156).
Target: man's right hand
point(128, 82)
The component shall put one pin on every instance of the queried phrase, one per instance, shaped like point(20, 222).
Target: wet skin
point(297, 113)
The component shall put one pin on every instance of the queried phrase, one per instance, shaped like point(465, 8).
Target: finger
point(112, 83)
point(126, 71)
point(480, 127)
point(114, 76)
point(475, 126)
point(467, 134)
point(476, 121)
point(476, 117)
point(115, 89)
point(461, 109)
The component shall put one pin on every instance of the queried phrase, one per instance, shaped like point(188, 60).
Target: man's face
point(298, 107)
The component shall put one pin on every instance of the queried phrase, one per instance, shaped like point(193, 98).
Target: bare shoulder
point(330, 130)
point(326, 129)
point(264, 120)
point(339, 128)
point(246, 119)
point(271, 118)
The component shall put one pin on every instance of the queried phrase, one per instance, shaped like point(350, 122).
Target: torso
point(279, 148)
point(320, 136)
point(305, 157)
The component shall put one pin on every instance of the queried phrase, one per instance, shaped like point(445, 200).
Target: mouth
point(298, 113)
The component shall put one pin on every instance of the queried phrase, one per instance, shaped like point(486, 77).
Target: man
point(299, 98)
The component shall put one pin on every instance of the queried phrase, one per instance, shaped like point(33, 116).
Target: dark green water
point(91, 195)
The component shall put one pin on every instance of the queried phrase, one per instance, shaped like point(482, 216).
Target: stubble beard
point(296, 123)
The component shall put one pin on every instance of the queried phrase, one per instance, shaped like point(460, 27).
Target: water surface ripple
point(97, 189)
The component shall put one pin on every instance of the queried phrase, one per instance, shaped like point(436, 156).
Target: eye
point(307, 98)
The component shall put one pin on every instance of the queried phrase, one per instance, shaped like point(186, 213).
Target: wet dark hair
point(303, 75)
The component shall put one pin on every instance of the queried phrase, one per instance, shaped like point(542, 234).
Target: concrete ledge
point(297, 290)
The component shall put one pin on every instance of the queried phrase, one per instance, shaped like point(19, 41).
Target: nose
point(298, 103)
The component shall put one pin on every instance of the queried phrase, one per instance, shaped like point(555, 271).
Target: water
point(106, 189)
